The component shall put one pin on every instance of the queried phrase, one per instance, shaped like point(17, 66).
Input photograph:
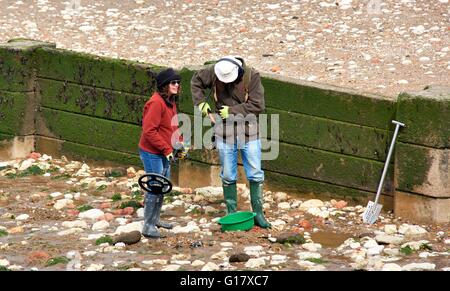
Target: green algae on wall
point(97, 153)
point(185, 104)
point(16, 64)
point(328, 103)
point(92, 131)
point(103, 103)
point(412, 165)
point(331, 135)
point(12, 112)
point(91, 70)
point(427, 117)
point(329, 167)
point(15, 69)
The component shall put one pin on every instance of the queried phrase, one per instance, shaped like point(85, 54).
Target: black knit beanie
point(164, 77)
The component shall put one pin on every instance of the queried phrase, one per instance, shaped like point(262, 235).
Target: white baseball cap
point(227, 71)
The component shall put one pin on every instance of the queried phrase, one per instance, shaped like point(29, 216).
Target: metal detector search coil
point(155, 183)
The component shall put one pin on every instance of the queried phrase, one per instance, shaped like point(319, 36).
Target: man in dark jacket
point(239, 99)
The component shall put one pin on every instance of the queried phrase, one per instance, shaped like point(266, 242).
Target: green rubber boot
point(230, 196)
point(256, 192)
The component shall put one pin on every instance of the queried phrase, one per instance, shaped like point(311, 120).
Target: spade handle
point(386, 164)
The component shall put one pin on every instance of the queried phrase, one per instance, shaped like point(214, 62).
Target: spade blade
point(372, 212)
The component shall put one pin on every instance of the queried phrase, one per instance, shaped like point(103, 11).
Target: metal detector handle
point(211, 116)
point(386, 165)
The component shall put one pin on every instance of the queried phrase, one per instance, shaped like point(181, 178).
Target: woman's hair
point(164, 92)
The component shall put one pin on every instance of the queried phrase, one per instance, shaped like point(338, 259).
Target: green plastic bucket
point(237, 221)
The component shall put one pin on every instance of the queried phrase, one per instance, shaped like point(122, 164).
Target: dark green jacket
point(245, 97)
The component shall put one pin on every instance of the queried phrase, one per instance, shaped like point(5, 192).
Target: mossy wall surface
point(93, 104)
point(17, 100)
point(422, 156)
point(427, 115)
point(329, 167)
point(92, 101)
point(92, 131)
point(414, 164)
point(99, 153)
point(15, 68)
point(12, 112)
point(330, 135)
point(334, 103)
point(90, 70)
point(422, 161)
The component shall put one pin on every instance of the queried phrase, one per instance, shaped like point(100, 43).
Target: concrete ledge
point(16, 147)
point(73, 150)
point(421, 209)
point(26, 44)
point(194, 175)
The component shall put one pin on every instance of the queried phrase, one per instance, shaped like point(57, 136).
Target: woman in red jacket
point(155, 145)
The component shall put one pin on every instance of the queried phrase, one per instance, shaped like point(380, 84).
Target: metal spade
point(373, 209)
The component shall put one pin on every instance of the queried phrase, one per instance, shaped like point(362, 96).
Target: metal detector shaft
point(210, 115)
point(386, 165)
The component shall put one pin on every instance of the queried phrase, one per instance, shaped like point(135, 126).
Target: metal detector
point(155, 183)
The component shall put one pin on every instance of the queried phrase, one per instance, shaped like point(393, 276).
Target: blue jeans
point(251, 158)
point(157, 164)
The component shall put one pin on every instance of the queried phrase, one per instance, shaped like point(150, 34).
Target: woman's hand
point(169, 157)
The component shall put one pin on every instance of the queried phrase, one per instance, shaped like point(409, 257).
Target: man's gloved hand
point(204, 108)
point(183, 150)
point(169, 157)
point(224, 112)
point(183, 153)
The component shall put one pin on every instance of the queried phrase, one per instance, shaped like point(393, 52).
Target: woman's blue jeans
point(251, 158)
point(157, 164)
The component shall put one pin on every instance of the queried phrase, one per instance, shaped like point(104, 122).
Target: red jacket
point(157, 128)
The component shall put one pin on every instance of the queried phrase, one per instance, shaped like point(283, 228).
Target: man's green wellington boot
point(256, 192)
point(230, 196)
